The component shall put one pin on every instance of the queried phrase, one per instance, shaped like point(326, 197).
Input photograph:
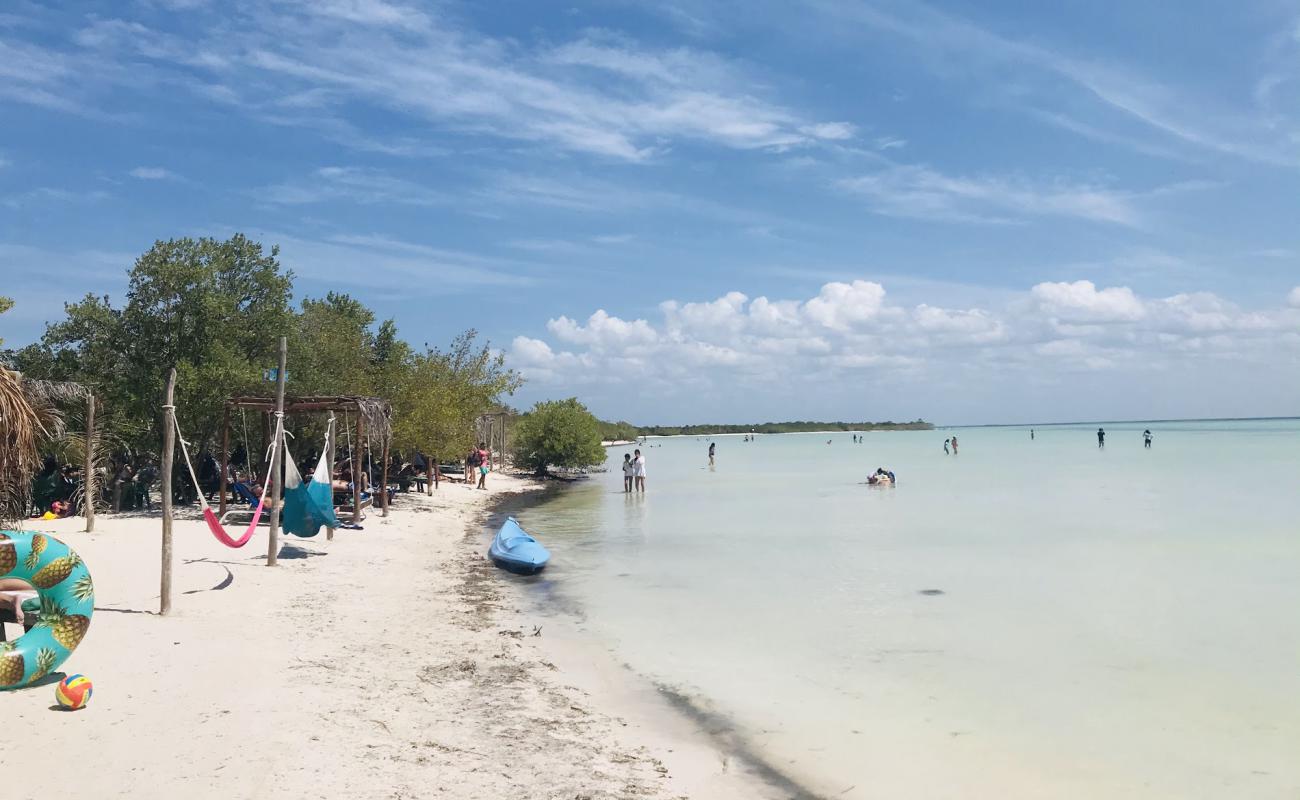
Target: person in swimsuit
point(484, 464)
point(712, 450)
point(946, 452)
point(1101, 438)
point(954, 445)
point(1146, 438)
point(638, 470)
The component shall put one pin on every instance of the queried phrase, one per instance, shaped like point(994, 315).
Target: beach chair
point(245, 494)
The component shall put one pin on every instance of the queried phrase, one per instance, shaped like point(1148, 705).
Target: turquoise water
point(1111, 623)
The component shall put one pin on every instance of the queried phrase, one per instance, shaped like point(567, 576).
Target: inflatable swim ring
point(67, 599)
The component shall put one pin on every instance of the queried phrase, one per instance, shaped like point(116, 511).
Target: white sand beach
point(392, 662)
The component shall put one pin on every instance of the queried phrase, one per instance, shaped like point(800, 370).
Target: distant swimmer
point(711, 452)
point(1031, 434)
point(1146, 438)
point(946, 451)
point(1101, 438)
point(954, 445)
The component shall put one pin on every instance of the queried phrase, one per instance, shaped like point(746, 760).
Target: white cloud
point(734, 341)
point(152, 174)
point(923, 193)
point(1081, 301)
point(842, 305)
point(602, 331)
point(1293, 299)
point(1033, 76)
point(318, 64)
point(354, 184)
point(830, 130)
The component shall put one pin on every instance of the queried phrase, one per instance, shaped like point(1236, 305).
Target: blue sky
point(683, 212)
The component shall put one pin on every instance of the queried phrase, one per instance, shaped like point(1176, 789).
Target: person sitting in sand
point(13, 593)
point(58, 510)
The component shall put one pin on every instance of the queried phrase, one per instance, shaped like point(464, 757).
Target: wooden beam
point(383, 482)
point(356, 475)
point(88, 487)
point(277, 450)
point(330, 437)
point(225, 456)
point(169, 445)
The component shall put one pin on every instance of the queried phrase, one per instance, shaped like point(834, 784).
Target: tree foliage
point(444, 391)
point(561, 433)
point(618, 431)
point(216, 309)
point(5, 304)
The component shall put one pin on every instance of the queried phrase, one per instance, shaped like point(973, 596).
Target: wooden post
point(169, 445)
point(266, 446)
point(225, 456)
point(88, 482)
point(329, 448)
point(383, 481)
point(356, 473)
point(277, 450)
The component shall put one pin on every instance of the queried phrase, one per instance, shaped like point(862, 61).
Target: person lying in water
point(882, 477)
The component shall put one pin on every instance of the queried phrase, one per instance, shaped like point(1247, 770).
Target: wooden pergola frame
point(373, 413)
point(490, 428)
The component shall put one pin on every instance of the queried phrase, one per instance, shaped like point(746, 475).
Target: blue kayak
point(514, 550)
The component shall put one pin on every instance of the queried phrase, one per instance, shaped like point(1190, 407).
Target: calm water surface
point(1113, 623)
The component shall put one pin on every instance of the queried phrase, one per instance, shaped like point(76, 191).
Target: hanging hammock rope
point(214, 524)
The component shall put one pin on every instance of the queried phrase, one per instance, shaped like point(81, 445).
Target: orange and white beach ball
point(73, 692)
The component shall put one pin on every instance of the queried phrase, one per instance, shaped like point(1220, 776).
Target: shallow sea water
point(1027, 619)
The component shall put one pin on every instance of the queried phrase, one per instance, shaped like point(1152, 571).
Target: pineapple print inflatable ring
point(67, 600)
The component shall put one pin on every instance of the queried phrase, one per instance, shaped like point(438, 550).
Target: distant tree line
point(773, 427)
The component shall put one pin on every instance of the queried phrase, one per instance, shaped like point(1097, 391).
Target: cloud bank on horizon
point(1076, 215)
point(1058, 339)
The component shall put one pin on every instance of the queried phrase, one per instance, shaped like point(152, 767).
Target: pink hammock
point(209, 515)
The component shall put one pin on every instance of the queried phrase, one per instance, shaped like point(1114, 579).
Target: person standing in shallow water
point(1101, 438)
point(1146, 438)
point(954, 445)
point(946, 452)
point(627, 472)
point(638, 470)
point(712, 450)
point(1031, 434)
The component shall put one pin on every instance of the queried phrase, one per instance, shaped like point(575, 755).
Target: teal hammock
point(308, 507)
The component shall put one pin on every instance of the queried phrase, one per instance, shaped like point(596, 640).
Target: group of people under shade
point(634, 470)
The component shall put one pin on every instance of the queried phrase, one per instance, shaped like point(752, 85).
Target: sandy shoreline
point(393, 662)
